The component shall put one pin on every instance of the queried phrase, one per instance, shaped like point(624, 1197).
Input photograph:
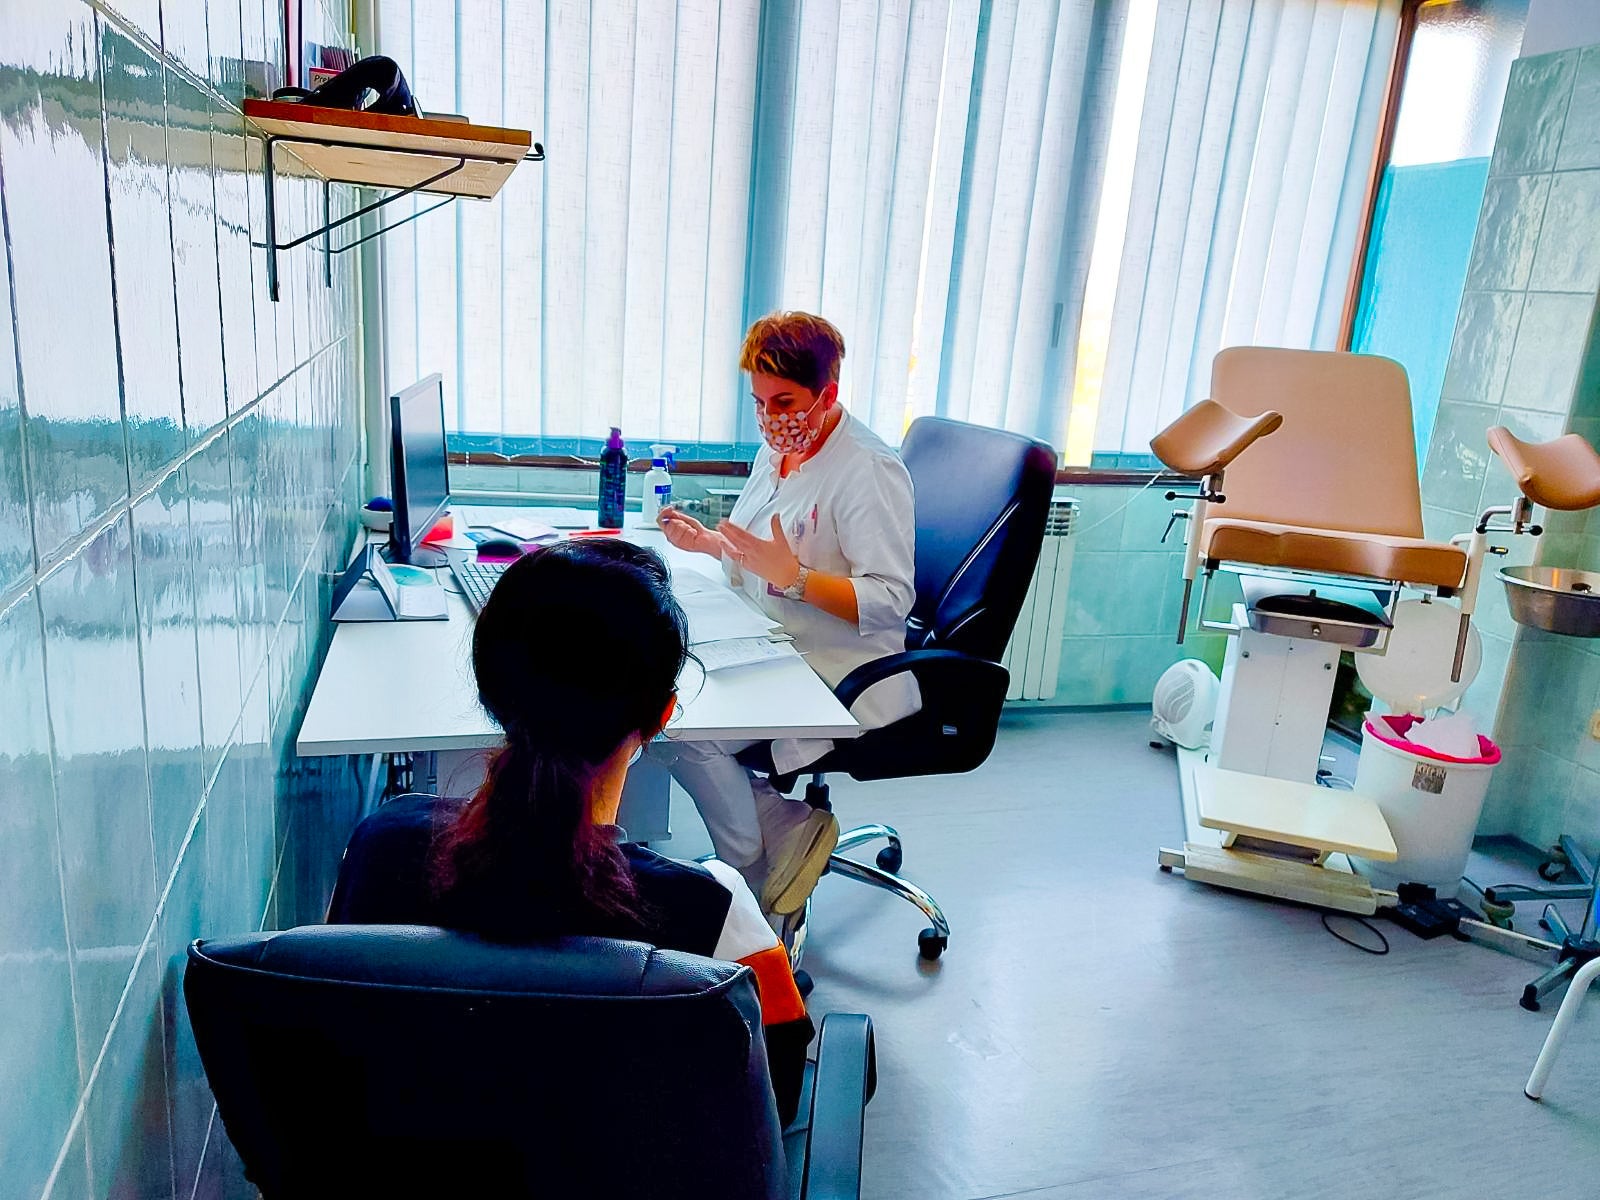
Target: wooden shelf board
point(377, 150)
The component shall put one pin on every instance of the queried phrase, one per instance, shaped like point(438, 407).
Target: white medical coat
point(847, 511)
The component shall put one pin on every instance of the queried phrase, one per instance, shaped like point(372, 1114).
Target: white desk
point(407, 686)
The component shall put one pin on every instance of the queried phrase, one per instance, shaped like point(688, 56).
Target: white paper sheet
point(420, 603)
point(716, 616)
point(742, 652)
point(480, 516)
point(687, 583)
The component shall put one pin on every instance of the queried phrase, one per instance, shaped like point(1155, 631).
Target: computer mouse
point(499, 547)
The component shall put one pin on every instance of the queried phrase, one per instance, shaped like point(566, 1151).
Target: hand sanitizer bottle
point(658, 482)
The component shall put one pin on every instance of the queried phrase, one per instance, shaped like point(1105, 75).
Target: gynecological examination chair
point(1308, 498)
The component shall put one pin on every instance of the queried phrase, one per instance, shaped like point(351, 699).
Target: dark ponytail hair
point(579, 646)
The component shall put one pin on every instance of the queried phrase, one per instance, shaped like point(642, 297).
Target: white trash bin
point(1431, 801)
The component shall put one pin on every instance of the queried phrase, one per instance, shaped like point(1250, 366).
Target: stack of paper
point(686, 582)
point(742, 652)
point(525, 529)
point(720, 616)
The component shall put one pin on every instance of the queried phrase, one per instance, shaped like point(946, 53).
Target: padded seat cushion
point(1371, 555)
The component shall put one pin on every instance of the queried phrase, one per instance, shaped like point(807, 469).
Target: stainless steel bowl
point(1554, 599)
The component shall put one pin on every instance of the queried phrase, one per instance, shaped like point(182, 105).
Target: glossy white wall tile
point(178, 467)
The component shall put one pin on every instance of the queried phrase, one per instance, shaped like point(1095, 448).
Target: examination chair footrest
point(1267, 875)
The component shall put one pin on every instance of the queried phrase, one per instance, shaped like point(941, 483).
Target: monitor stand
point(421, 556)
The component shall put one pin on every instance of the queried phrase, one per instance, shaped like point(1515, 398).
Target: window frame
point(1388, 122)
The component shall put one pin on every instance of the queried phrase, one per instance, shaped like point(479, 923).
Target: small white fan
point(1185, 704)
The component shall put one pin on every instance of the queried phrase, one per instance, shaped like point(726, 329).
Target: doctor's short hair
point(800, 347)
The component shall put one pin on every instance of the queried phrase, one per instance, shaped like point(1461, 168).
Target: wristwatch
point(797, 589)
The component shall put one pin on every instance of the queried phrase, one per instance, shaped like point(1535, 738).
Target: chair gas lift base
point(982, 502)
point(885, 876)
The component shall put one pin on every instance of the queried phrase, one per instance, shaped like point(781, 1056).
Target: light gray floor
point(1099, 1029)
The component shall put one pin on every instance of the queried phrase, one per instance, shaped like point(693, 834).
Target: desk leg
point(376, 768)
point(647, 802)
point(455, 772)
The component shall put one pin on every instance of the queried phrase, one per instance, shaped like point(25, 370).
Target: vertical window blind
point(1256, 138)
point(926, 173)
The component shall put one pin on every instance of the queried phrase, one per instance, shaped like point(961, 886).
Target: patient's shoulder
point(683, 905)
point(404, 820)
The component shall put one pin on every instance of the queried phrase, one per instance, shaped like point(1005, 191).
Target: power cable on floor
point(1365, 924)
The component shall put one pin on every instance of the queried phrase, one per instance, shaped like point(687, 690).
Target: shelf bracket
point(377, 233)
point(327, 236)
point(272, 245)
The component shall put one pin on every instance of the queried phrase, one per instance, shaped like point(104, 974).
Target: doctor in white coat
point(822, 539)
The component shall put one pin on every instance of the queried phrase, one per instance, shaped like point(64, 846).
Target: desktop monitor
point(419, 469)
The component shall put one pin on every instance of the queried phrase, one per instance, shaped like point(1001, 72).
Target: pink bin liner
point(1391, 731)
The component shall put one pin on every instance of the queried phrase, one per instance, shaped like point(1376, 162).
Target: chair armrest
point(924, 664)
point(846, 1077)
point(1208, 437)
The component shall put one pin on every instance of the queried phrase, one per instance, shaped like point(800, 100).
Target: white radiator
point(1034, 655)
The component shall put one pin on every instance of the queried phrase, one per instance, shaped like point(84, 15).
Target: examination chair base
point(1269, 875)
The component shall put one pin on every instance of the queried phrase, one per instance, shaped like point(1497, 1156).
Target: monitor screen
point(421, 472)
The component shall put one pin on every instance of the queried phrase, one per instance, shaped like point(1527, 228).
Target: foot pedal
point(1421, 912)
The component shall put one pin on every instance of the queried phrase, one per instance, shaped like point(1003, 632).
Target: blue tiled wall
point(178, 469)
point(1524, 356)
point(1122, 606)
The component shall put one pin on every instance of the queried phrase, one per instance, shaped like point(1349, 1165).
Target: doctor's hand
point(771, 560)
point(686, 533)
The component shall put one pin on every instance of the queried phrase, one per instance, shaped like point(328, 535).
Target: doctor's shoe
point(799, 861)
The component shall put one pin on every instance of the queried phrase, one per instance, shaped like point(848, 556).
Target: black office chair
point(408, 1061)
point(982, 501)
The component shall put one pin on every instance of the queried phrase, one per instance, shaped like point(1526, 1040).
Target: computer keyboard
point(477, 579)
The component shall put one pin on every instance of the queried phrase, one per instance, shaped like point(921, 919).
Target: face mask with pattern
point(788, 432)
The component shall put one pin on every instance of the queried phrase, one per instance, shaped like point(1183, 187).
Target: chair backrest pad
point(1345, 456)
point(982, 500)
point(402, 1060)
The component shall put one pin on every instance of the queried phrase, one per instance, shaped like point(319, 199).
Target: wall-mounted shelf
point(408, 155)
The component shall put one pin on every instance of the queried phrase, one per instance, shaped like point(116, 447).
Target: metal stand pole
point(272, 221)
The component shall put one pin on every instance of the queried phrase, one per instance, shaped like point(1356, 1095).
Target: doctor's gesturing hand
point(775, 561)
point(686, 533)
point(772, 560)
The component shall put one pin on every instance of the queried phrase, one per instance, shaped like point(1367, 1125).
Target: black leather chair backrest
point(410, 1061)
point(982, 500)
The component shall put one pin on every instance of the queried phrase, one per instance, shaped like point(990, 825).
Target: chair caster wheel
point(931, 944)
point(1552, 870)
point(890, 858)
point(1165, 870)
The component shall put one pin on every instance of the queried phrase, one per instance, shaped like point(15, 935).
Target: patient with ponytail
point(577, 655)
